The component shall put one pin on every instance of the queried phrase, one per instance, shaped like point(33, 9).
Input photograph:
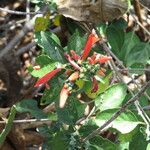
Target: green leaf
point(47, 41)
point(8, 125)
point(115, 38)
point(123, 146)
point(100, 143)
point(29, 105)
point(102, 86)
point(76, 42)
point(43, 60)
point(73, 111)
point(101, 28)
point(119, 23)
point(148, 47)
point(138, 142)
point(148, 147)
point(125, 138)
point(44, 70)
point(59, 142)
point(112, 97)
point(46, 65)
point(41, 24)
point(129, 42)
point(87, 128)
point(52, 94)
point(125, 123)
point(55, 38)
point(72, 26)
point(138, 54)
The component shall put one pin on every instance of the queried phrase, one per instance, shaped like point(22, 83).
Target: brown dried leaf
point(92, 10)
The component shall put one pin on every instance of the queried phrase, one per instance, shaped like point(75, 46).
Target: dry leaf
point(93, 11)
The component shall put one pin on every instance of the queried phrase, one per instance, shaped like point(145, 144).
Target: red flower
point(72, 62)
point(103, 59)
point(66, 90)
point(76, 62)
point(101, 72)
point(98, 58)
point(68, 72)
point(64, 95)
point(91, 61)
point(94, 86)
point(47, 77)
point(74, 76)
point(92, 39)
point(74, 55)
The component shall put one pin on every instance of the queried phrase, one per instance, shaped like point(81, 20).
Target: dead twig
point(30, 123)
point(27, 27)
point(19, 12)
point(137, 9)
point(25, 48)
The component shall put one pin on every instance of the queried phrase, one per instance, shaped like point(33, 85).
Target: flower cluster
point(82, 67)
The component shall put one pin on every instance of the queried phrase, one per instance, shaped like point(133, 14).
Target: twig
point(137, 105)
point(120, 64)
point(32, 123)
point(137, 9)
point(139, 108)
point(134, 69)
point(12, 24)
point(146, 107)
point(148, 33)
point(120, 111)
point(27, 27)
point(28, 10)
point(25, 48)
point(144, 6)
point(26, 121)
point(19, 12)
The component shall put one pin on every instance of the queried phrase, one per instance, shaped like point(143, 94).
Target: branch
point(19, 12)
point(28, 10)
point(27, 27)
point(30, 123)
point(138, 22)
point(144, 6)
point(25, 48)
point(122, 109)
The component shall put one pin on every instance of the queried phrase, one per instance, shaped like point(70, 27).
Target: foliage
point(78, 79)
point(8, 126)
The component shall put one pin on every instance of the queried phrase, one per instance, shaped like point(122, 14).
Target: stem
point(120, 111)
point(8, 125)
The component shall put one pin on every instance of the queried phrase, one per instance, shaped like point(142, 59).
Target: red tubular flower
point(74, 76)
point(92, 39)
point(47, 86)
point(95, 86)
point(91, 61)
point(101, 72)
point(68, 72)
point(74, 55)
point(64, 95)
point(103, 59)
point(47, 77)
point(93, 57)
point(73, 63)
